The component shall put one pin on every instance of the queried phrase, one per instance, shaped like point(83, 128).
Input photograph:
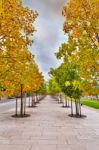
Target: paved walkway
point(49, 128)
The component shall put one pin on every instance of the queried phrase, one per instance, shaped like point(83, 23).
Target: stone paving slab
point(14, 147)
point(44, 147)
point(50, 128)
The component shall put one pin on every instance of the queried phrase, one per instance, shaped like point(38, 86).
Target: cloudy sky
point(49, 33)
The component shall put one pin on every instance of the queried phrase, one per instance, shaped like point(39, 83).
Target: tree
point(81, 26)
point(17, 75)
point(53, 87)
point(68, 79)
point(80, 54)
point(43, 88)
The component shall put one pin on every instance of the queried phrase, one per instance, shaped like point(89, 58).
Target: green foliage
point(77, 93)
point(68, 79)
point(43, 88)
point(53, 86)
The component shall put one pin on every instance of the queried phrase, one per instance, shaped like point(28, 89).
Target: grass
point(91, 103)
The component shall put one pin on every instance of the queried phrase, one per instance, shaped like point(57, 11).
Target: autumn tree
point(80, 50)
point(16, 62)
point(81, 26)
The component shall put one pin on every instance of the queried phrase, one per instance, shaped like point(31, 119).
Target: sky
point(49, 35)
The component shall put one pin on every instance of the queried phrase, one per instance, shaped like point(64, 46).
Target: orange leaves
point(85, 76)
point(81, 27)
point(17, 65)
point(1, 8)
point(85, 94)
point(16, 23)
point(78, 15)
point(76, 33)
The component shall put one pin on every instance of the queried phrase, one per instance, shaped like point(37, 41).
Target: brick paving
point(50, 128)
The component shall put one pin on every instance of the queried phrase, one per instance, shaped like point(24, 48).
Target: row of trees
point(79, 72)
point(18, 71)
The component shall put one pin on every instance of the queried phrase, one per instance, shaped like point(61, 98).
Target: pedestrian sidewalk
point(49, 128)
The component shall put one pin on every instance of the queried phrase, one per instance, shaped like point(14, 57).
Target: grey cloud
point(49, 33)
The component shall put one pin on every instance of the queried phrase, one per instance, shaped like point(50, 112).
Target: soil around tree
point(20, 116)
point(66, 106)
point(32, 106)
point(77, 116)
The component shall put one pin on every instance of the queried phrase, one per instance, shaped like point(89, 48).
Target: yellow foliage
point(17, 64)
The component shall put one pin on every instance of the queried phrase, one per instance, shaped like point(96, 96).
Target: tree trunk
point(77, 108)
point(35, 99)
point(16, 106)
point(59, 99)
point(65, 101)
point(25, 105)
point(21, 110)
point(80, 107)
point(29, 101)
point(33, 103)
point(71, 107)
